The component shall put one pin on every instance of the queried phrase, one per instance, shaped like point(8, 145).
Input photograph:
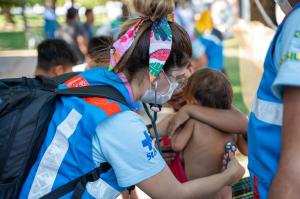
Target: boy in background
point(99, 52)
point(203, 146)
point(55, 57)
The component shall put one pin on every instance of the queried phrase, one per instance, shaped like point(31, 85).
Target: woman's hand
point(233, 169)
point(179, 119)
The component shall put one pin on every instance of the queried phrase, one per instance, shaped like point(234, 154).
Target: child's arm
point(242, 144)
point(180, 139)
point(232, 120)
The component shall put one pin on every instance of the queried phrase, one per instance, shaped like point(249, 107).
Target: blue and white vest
point(265, 126)
point(66, 153)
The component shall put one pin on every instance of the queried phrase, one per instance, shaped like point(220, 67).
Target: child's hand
point(234, 170)
point(168, 154)
point(180, 118)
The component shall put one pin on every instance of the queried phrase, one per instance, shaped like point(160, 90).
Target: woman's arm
point(181, 138)
point(232, 120)
point(164, 184)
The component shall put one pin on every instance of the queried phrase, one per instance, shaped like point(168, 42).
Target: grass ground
point(233, 72)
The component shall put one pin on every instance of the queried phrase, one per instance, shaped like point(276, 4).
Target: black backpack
point(26, 108)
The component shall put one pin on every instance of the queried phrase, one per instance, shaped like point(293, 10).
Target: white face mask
point(284, 5)
point(151, 96)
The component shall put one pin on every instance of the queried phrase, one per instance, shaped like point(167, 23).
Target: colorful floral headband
point(160, 44)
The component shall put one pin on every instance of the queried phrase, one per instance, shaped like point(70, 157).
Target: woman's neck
point(138, 86)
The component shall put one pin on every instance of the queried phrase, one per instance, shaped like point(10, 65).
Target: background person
point(55, 57)
point(89, 23)
point(50, 21)
point(274, 135)
point(99, 52)
point(73, 33)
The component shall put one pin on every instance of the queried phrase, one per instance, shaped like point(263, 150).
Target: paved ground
point(17, 63)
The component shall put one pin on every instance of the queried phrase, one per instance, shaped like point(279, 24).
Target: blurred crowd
point(85, 39)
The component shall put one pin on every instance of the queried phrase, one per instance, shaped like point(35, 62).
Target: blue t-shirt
point(287, 55)
point(281, 69)
point(124, 142)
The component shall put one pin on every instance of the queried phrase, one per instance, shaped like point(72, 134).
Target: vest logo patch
point(147, 144)
point(76, 82)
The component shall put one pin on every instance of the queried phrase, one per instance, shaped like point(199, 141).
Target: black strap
point(63, 78)
point(79, 184)
point(94, 91)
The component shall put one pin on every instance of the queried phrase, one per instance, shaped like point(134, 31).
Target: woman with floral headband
point(85, 133)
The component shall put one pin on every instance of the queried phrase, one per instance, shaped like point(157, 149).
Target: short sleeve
point(288, 54)
point(198, 48)
point(126, 145)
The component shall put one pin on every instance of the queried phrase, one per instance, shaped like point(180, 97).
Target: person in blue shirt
point(88, 25)
point(146, 62)
point(274, 130)
point(50, 24)
point(213, 42)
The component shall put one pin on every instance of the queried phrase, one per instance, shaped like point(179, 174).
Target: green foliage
point(12, 3)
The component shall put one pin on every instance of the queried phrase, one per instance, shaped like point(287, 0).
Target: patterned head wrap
point(160, 44)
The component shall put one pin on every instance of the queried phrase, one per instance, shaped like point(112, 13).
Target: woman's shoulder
point(126, 120)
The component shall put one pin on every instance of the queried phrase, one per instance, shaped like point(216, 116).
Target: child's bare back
point(203, 149)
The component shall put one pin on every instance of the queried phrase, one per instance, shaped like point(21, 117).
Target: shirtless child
point(202, 146)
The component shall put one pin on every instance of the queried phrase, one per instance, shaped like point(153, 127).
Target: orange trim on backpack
point(108, 107)
point(77, 81)
point(256, 193)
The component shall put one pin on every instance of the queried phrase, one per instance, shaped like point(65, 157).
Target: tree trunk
point(72, 1)
point(53, 4)
point(269, 7)
point(7, 15)
point(24, 18)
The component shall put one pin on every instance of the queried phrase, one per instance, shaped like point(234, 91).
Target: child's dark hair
point(210, 88)
point(99, 49)
point(137, 57)
point(52, 53)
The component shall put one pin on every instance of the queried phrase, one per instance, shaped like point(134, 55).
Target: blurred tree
point(6, 6)
point(91, 3)
point(269, 7)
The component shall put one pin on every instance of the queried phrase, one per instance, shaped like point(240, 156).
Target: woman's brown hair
point(210, 88)
point(137, 57)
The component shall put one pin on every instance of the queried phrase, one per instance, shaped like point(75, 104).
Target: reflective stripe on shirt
point(268, 112)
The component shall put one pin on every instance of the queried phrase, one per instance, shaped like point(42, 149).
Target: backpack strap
point(64, 77)
point(78, 185)
point(94, 91)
